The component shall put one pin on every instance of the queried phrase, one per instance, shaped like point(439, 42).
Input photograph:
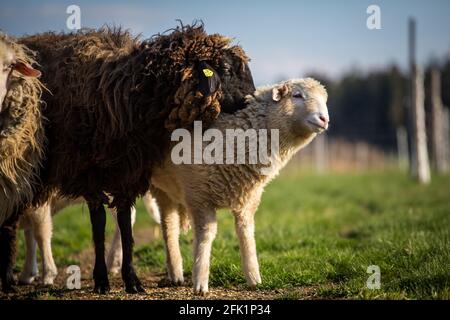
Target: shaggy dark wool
point(115, 100)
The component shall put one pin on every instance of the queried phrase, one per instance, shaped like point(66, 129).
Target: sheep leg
point(151, 206)
point(8, 242)
point(30, 269)
point(174, 260)
point(132, 282)
point(205, 229)
point(170, 224)
point(114, 260)
point(41, 220)
point(245, 228)
point(98, 221)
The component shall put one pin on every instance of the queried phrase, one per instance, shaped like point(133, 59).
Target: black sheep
point(113, 104)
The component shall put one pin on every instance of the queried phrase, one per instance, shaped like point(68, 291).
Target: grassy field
point(316, 236)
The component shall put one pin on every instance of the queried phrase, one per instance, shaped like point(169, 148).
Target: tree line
point(371, 106)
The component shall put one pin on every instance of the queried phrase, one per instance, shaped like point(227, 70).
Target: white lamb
point(297, 108)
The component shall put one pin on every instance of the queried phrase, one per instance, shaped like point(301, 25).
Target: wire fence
point(331, 154)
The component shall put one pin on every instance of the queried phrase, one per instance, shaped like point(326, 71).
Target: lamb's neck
point(282, 143)
point(278, 159)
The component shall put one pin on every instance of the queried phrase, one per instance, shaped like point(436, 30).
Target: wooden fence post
point(320, 153)
point(409, 104)
point(420, 167)
point(438, 143)
point(421, 170)
point(402, 147)
point(446, 136)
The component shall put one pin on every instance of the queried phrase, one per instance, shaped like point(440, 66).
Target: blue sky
point(283, 38)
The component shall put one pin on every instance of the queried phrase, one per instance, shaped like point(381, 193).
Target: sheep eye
point(298, 95)
point(7, 68)
point(226, 69)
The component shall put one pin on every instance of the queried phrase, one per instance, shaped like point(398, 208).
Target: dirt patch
point(154, 292)
point(156, 285)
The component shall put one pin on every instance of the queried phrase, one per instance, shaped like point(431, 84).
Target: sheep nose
point(324, 119)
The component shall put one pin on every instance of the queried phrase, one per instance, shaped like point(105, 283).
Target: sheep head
point(9, 62)
point(183, 55)
point(304, 101)
point(236, 78)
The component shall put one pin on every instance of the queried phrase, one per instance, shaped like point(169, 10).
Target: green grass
point(72, 232)
point(321, 232)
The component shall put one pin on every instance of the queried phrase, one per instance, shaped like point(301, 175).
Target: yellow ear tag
point(208, 73)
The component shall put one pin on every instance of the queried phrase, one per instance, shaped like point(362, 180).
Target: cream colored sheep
point(6, 61)
point(10, 62)
point(297, 108)
point(22, 143)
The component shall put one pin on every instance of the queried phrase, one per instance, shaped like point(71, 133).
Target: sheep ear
point(280, 92)
point(26, 69)
point(209, 81)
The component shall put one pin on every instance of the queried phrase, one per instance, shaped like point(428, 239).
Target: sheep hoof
point(133, 285)
point(136, 288)
point(164, 282)
point(27, 278)
point(9, 282)
point(201, 290)
point(102, 287)
point(252, 287)
point(49, 277)
point(176, 279)
point(178, 283)
point(201, 293)
point(48, 281)
point(168, 282)
point(253, 280)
